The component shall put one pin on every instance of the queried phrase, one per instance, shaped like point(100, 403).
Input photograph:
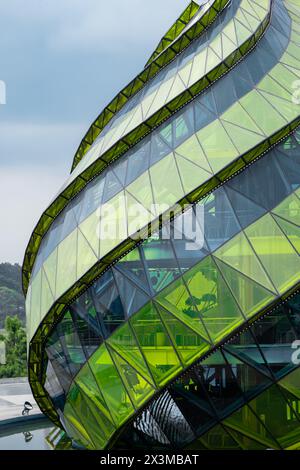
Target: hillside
point(11, 296)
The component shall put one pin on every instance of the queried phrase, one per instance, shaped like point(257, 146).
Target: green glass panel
point(242, 138)
point(292, 383)
point(50, 270)
point(86, 257)
point(269, 85)
point(218, 438)
point(273, 250)
point(87, 383)
point(138, 388)
point(47, 298)
point(239, 254)
point(109, 382)
point(283, 76)
point(123, 341)
point(177, 88)
point(102, 427)
point(245, 442)
point(155, 343)
point(188, 344)
point(250, 296)
point(266, 117)
point(167, 191)
point(289, 209)
point(86, 417)
point(89, 229)
point(178, 300)
point(217, 145)
point(185, 73)
point(291, 231)
point(242, 32)
point(141, 190)
point(75, 428)
point(36, 298)
point(212, 59)
point(192, 150)
point(288, 109)
point(137, 215)
point(66, 263)
point(113, 227)
point(248, 424)
point(277, 414)
point(238, 116)
point(228, 46)
point(215, 304)
point(191, 175)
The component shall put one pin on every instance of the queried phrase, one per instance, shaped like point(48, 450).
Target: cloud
point(23, 144)
point(94, 24)
point(24, 194)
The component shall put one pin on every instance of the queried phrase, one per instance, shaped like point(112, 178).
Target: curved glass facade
point(178, 316)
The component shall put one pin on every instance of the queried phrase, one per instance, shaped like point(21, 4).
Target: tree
point(15, 344)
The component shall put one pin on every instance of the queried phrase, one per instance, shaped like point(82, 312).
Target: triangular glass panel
point(89, 229)
point(188, 344)
point(138, 388)
point(132, 267)
point(246, 210)
point(47, 298)
point(239, 254)
point(132, 297)
point(246, 349)
point(99, 421)
point(192, 150)
point(250, 380)
point(218, 438)
point(156, 345)
point(280, 252)
point(141, 190)
point(237, 116)
point(215, 304)
point(158, 149)
point(111, 385)
point(112, 187)
point(250, 296)
point(247, 423)
point(86, 257)
point(138, 162)
point(291, 231)
point(243, 139)
point(191, 175)
point(178, 300)
point(123, 341)
point(292, 383)
point(245, 442)
point(289, 209)
point(193, 403)
point(87, 383)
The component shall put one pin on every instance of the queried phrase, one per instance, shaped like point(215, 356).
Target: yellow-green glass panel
point(216, 306)
point(156, 344)
point(111, 385)
point(250, 296)
point(239, 254)
point(166, 184)
point(138, 388)
point(217, 145)
point(66, 263)
point(274, 250)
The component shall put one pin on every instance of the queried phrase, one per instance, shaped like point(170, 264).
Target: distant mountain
point(12, 301)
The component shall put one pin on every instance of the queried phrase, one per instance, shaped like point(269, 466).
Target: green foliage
point(11, 296)
point(15, 344)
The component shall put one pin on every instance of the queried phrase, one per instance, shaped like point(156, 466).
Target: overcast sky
point(62, 61)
